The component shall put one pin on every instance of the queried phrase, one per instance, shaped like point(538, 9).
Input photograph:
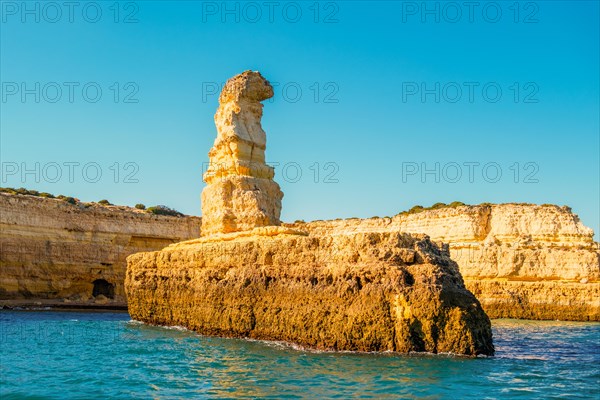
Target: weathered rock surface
point(51, 249)
point(248, 277)
point(520, 260)
point(240, 193)
point(359, 291)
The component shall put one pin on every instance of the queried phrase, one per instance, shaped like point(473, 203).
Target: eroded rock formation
point(361, 291)
point(248, 277)
point(240, 193)
point(75, 253)
point(520, 260)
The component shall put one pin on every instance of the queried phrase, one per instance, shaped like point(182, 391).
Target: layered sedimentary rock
point(359, 291)
point(240, 193)
point(520, 260)
point(248, 277)
point(51, 249)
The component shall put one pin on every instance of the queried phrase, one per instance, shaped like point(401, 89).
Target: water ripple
point(81, 355)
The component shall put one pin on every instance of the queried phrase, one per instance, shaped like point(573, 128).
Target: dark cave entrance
point(102, 287)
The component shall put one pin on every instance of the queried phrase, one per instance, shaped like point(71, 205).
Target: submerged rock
point(358, 292)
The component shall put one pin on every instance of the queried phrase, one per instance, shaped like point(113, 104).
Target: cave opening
point(103, 287)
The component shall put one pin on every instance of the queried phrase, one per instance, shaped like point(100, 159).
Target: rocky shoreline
point(52, 305)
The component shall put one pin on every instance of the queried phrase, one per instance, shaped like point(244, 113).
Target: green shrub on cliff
point(27, 192)
point(105, 202)
point(140, 206)
point(70, 200)
point(164, 210)
point(415, 209)
point(8, 190)
point(21, 191)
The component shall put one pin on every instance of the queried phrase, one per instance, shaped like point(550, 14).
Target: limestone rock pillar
point(240, 194)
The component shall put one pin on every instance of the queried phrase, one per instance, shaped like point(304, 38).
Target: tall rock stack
point(241, 194)
point(248, 277)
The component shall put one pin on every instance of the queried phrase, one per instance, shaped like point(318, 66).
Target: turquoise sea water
point(65, 355)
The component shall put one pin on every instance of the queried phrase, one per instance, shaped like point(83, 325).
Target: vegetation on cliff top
point(417, 209)
point(27, 192)
point(437, 206)
point(164, 210)
point(156, 210)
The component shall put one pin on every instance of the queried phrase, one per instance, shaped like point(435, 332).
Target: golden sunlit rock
point(248, 277)
point(520, 260)
point(240, 192)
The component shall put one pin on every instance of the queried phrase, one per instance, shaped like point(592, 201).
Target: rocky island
point(248, 276)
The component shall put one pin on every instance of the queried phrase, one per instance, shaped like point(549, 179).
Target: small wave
point(522, 357)
point(279, 344)
point(169, 327)
point(176, 328)
point(518, 389)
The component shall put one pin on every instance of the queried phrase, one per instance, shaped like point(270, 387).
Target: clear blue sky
point(362, 115)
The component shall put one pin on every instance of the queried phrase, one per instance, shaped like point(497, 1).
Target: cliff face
point(51, 249)
point(357, 291)
point(520, 260)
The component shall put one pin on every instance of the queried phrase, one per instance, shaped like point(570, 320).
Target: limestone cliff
point(520, 260)
point(357, 291)
point(51, 249)
point(240, 192)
